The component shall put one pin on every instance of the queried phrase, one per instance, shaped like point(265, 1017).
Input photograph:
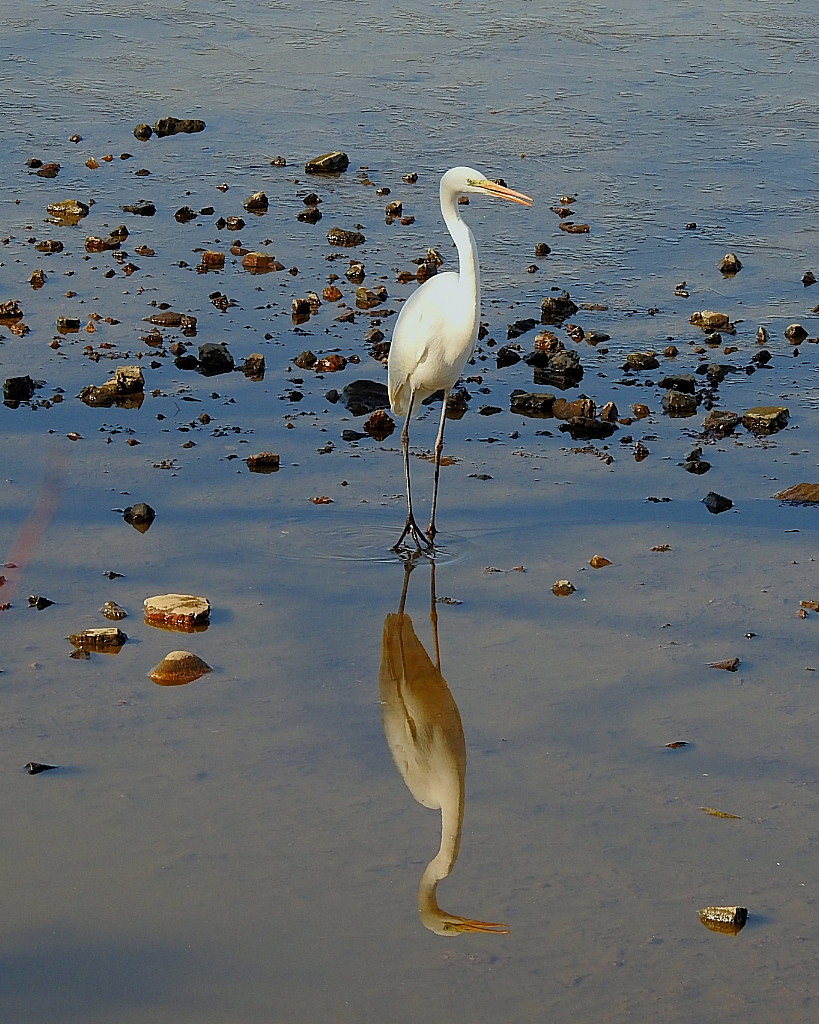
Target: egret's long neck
point(452, 816)
point(469, 270)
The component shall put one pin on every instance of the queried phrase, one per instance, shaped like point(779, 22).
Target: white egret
point(426, 738)
point(436, 331)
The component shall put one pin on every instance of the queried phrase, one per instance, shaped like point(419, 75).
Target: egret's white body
point(435, 334)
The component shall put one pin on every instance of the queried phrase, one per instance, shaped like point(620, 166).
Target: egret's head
point(466, 181)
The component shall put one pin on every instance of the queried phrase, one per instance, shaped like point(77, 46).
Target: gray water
point(242, 848)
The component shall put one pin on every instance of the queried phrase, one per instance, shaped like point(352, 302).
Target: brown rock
point(213, 260)
point(806, 493)
point(795, 333)
point(564, 410)
point(709, 320)
point(106, 640)
point(728, 920)
point(263, 462)
point(329, 163)
point(766, 419)
point(177, 611)
point(178, 668)
point(330, 364)
point(260, 262)
point(730, 264)
point(563, 588)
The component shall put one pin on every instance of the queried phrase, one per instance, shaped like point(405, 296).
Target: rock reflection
point(426, 738)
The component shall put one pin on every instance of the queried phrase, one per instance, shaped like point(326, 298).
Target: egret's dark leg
point(439, 447)
point(411, 527)
point(433, 616)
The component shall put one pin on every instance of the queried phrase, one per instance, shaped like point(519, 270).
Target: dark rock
point(762, 357)
point(48, 171)
point(68, 209)
point(257, 203)
point(364, 396)
point(143, 132)
point(140, 514)
point(489, 410)
point(254, 366)
point(506, 356)
point(715, 372)
point(306, 360)
point(173, 126)
point(18, 389)
point(312, 215)
point(678, 404)
point(184, 214)
point(368, 298)
point(329, 163)
point(555, 309)
point(520, 327)
point(716, 503)
point(808, 278)
point(721, 422)
point(641, 361)
point(39, 602)
point(584, 428)
point(35, 767)
point(352, 435)
point(343, 237)
point(143, 208)
point(215, 359)
point(685, 382)
point(536, 404)
point(542, 249)
point(795, 334)
point(560, 367)
point(696, 466)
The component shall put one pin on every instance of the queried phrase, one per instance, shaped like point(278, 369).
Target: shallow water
point(243, 848)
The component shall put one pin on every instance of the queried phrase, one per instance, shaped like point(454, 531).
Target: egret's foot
point(412, 534)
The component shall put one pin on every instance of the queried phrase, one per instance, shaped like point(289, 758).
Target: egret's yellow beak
point(466, 925)
point(492, 188)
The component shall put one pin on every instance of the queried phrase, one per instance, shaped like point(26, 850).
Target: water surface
point(243, 848)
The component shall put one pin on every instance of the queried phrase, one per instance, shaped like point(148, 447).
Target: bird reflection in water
point(425, 736)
